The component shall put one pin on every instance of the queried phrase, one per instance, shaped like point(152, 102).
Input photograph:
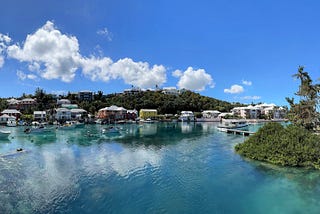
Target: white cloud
point(4, 42)
point(245, 82)
point(235, 89)
point(58, 53)
point(251, 98)
point(193, 79)
point(22, 76)
point(106, 33)
point(53, 55)
point(177, 73)
point(134, 73)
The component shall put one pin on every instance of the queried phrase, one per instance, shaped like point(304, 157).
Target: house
point(78, 113)
point(63, 101)
point(39, 115)
point(112, 113)
point(187, 116)
point(148, 113)
point(248, 112)
point(210, 114)
point(170, 90)
point(85, 95)
point(4, 118)
point(131, 114)
point(11, 112)
point(13, 103)
point(27, 103)
point(63, 114)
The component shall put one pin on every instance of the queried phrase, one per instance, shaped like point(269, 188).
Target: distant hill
point(169, 104)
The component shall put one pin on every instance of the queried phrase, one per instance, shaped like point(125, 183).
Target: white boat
point(232, 124)
point(110, 130)
point(148, 120)
point(4, 133)
point(12, 122)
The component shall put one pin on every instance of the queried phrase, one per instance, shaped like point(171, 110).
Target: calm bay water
point(150, 168)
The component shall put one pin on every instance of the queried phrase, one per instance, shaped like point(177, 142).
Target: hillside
point(170, 104)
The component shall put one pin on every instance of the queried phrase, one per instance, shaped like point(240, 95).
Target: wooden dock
point(239, 132)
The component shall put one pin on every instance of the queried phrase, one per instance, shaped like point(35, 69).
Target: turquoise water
point(150, 168)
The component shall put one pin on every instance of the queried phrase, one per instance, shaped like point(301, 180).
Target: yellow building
point(148, 113)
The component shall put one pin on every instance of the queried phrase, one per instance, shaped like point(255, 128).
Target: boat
point(12, 122)
point(232, 124)
point(37, 130)
point(110, 130)
point(148, 120)
point(4, 133)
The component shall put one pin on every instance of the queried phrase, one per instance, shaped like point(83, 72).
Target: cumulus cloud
point(4, 42)
point(105, 33)
point(193, 79)
point(58, 53)
point(235, 89)
point(53, 55)
point(245, 82)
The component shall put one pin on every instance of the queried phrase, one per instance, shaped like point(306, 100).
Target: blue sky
point(238, 51)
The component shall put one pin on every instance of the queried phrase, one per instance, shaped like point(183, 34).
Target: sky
point(238, 51)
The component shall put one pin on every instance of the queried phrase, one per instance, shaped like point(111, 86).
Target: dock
point(239, 132)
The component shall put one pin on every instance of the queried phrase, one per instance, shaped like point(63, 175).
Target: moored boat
point(232, 124)
point(4, 133)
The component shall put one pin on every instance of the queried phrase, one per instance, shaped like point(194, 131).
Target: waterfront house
point(112, 113)
point(148, 113)
point(248, 112)
point(4, 118)
point(187, 116)
point(132, 114)
point(39, 115)
point(63, 114)
point(78, 113)
point(11, 112)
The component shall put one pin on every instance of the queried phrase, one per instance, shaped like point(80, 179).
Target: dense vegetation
point(164, 103)
point(294, 145)
point(287, 146)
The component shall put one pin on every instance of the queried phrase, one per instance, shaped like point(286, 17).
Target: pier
point(239, 132)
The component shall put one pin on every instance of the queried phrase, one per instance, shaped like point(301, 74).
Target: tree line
point(164, 103)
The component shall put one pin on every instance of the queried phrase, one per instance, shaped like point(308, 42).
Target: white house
point(40, 115)
point(170, 90)
point(11, 112)
point(63, 114)
point(186, 116)
point(77, 113)
point(4, 118)
point(63, 101)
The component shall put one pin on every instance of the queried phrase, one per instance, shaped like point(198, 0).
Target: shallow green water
point(150, 168)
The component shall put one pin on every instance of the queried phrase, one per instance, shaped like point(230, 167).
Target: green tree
point(305, 112)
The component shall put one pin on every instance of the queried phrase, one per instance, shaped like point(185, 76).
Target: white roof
point(28, 99)
point(39, 112)
point(151, 110)
point(113, 108)
point(10, 111)
point(211, 111)
point(76, 110)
